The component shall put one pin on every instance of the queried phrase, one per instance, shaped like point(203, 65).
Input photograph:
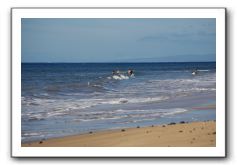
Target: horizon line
point(126, 62)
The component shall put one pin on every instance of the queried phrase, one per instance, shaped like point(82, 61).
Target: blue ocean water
point(60, 99)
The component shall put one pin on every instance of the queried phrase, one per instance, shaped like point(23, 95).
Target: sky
point(118, 40)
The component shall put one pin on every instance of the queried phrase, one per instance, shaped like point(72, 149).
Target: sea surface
point(60, 99)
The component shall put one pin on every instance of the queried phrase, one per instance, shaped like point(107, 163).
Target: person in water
point(194, 72)
point(117, 72)
point(130, 72)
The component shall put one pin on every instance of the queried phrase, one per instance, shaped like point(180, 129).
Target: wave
point(129, 116)
point(118, 77)
point(203, 70)
point(105, 88)
point(207, 83)
point(31, 134)
point(28, 101)
point(51, 108)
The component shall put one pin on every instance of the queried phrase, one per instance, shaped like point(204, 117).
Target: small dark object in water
point(40, 142)
point(172, 123)
point(138, 126)
point(123, 101)
point(163, 126)
point(90, 132)
point(152, 126)
point(122, 130)
point(182, 122)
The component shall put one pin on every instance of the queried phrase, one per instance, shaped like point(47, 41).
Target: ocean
point(60, 99)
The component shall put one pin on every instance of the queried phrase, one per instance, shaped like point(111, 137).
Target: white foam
point(203, 70)
point(120, 77)
point(204, 89)
point(64, 107)
point(174, 111)
point(31, 134)
point(134, 100)
point(128, 115)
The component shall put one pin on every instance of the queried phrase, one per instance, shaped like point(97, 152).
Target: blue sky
point(118, 40)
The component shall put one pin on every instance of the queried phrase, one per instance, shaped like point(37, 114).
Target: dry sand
point(196, 134)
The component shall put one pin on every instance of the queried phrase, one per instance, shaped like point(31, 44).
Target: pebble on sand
point(172, 123)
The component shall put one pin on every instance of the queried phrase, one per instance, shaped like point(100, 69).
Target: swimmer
point(130, 72)
point(195, 72)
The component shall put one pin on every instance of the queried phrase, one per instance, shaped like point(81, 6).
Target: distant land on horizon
point(184, 58)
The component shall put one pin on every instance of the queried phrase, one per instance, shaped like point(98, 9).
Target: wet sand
point(196, 134)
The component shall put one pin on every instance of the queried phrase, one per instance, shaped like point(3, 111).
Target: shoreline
point(194, 134)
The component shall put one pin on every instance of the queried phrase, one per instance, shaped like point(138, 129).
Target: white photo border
point(218, 13)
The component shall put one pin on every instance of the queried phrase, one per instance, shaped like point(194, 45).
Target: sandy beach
point(195, 134)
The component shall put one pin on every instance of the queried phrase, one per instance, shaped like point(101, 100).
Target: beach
point(143, 95)
point(194, 134)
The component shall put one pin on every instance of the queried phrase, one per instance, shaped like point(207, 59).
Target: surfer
point(130, 72)
point(117, 72)
point(194, 72)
